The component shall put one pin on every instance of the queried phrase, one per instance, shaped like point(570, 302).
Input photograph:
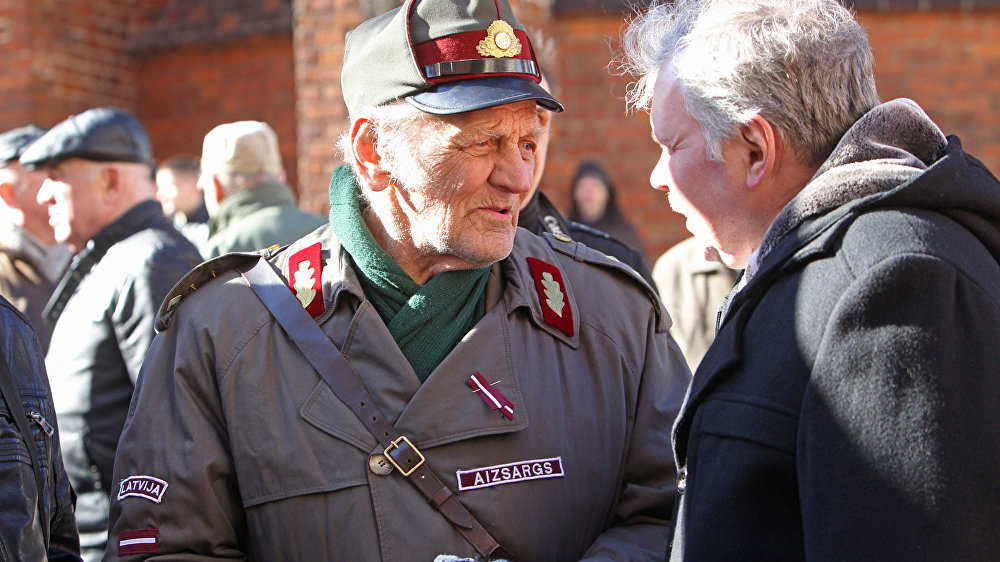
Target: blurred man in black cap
point(520, 386)
point(99, 192)
point(31, 261)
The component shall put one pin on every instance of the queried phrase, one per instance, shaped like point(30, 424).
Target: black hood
point(895, 156)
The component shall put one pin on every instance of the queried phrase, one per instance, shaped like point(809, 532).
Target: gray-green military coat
point(235, 448)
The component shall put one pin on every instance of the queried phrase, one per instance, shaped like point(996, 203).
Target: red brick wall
point(320, 29)
point(187, 90)
point(949, 63)
point(62, 57)
point(17, 108)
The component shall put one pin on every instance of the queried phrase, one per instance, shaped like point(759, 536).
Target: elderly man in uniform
point(847, 408)
point(498, 394)
point(99, 193)
point(31, 261)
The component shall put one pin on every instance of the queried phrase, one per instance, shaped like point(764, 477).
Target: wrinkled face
point(542, 150)
point(73, 193)
point(709, 194)
point(477, 171)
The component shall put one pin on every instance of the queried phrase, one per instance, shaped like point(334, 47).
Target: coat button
point(379, 465)
point(562, 237)
point(682, 479)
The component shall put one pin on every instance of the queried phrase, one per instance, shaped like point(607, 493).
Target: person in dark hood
point(847, 407)
point(595, 204)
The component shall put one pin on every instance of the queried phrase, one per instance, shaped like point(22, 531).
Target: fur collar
point(888, 146)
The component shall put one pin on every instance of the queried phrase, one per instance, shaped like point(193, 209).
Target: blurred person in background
point(180, 196)
point(31, 262)
point(595, 205)
point(693, 283)
point(250, 205)
point(99, 193)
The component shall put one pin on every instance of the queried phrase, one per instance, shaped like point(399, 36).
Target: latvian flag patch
point(140, 541)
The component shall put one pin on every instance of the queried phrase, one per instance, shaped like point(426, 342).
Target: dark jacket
point(23, 528)
point(106, 308)
point(848, 407)
point(257, 217)
point(540, 215)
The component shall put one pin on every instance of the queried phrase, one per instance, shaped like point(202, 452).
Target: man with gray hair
point(847, 407)
point(250, 205)
point(420, 379)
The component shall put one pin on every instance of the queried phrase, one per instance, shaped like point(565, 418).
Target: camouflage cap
point(442, 56)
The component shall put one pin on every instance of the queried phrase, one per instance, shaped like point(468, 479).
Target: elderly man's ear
point(364, 144)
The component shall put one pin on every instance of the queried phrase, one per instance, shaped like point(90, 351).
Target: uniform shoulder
point(223, 267)
point(604, 242)
point(200, 276)
point(595, 273)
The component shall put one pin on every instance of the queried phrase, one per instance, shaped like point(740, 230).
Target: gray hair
point(398, 128)
point(804, 65)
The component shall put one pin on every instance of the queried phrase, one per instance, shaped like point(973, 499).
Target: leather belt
point(327, 359)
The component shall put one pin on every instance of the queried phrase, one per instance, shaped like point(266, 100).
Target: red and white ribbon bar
point(493, 398)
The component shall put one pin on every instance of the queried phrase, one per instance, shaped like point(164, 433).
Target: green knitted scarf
point(427, 322)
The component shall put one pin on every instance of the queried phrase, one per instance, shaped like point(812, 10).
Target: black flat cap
point(104, 134)
point(14, 141)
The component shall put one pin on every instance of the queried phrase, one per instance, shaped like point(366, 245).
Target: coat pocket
point(747, 419)
point(313, 452)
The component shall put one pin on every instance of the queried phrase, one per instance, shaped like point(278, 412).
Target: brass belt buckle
point(397, 445)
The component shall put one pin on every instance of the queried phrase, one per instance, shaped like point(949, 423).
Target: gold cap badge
point(500, 41)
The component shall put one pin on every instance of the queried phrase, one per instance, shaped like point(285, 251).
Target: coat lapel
point(445, 409)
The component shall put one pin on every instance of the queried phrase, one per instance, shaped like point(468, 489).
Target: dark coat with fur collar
point(848, 409)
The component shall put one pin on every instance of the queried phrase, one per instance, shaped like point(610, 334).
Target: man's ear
point(216, 191)
point(110, 183)
point(759, 140)
point(364, 150)
point(7, 194)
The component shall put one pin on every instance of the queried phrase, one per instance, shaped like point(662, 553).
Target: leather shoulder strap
point(347, 384)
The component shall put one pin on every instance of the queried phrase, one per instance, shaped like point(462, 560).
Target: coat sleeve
point(641, 518)
point(898, 440)
point(134, 313)
point(174, 453)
